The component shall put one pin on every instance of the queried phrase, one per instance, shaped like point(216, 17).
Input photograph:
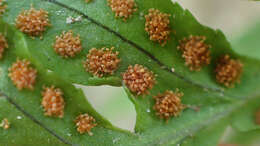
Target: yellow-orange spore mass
point(5, 124)
point(168, 104)
point(85, 123)
point(2, 7)
point(67, 45)
point(138, 79)
point(228, 71)
point(3, 45)
point(123, 8)
point(32, 22)
point(53, 102)
point(102, 62)
point(157, 26)
point(22, 74)
point(195, 52)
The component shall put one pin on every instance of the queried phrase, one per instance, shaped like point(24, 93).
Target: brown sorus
point(67, 45)
point(85, 123)
point(3, 45)
point(22, 74)
point(2, 7)
point(168, 104)
point(157, 26)
point(138, 79)
point(5, 124)
point(32, 22)
point(195, 52)
point(53, 102)
point(228, 71)
point(123, 8)
point(102, 62)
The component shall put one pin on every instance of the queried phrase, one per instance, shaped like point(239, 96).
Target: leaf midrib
point(125, 40)
point(194, 130)
point(33, 119)
point(135, 45)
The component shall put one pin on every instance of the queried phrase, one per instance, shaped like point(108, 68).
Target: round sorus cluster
point(2, 7)
point(22, 74)
point(5, 124)
point(168, 104)
point(138, 79)
point(228, 71)
point(157, 26)
point(32, 22)
point(67, 45)
point(85, 123)
point(101, 62)
point(123, 8)
point(3, 45)
point(53, 102)
point(195, 52)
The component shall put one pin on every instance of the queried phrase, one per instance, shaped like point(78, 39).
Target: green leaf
point(245, 118)
point(236, 128)
point(30, 102)
point(249, 138)
point(76, 103)
point(99, 29)
point(107, 31)
point(23, 130)
point(247, 43)
point(210, 135)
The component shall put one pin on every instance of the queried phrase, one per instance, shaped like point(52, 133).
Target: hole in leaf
point(112, 103)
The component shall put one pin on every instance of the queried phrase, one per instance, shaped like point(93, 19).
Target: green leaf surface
point(76, 104)
point(229, 129)
point(100, 29)
point(245, 118)
point(247, 43)
point(106, 31)
point(30, 102)
point(23, 131)
point(249, 138)
point(208, 136)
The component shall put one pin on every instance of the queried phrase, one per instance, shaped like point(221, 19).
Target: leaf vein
point(18, 107)
point(164, 67)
